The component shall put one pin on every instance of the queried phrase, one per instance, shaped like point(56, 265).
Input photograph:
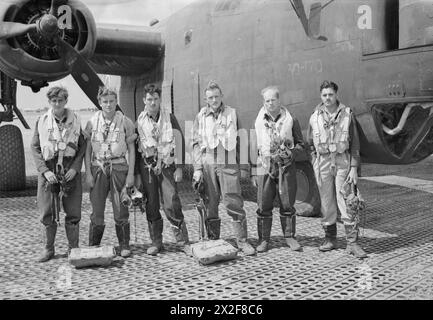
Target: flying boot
point(123, 235)
point(181, 236)
point(264, 226)
point(288, 224)
point(213, 228)
point(155, 232)
point(240, 229)
point(49, 236)
point(353, 247)
point(330, 242)
point(95, 234)
point(72, 233)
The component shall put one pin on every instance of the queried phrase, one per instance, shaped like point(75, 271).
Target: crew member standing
point(160, 140)
point(279, 136)
point(58, 148)
point(216, 163)
point(110, 160)
point(334, 143)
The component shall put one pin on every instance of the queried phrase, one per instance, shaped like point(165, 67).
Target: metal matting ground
point(397, 235)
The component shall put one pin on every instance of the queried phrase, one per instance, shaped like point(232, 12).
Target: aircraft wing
point(126, 50)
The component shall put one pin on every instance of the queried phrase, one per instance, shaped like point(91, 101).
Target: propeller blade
point(55, 4)
point(81, 71)
point(299, 9)
point(14, 29)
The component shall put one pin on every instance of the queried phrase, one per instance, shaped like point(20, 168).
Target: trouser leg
point(151, 190)
point(266, 192)
point(287, 196)
point(49, 236)
point(72, 204)
point(117, 183)
point(49, 228)
point(170, 197)
point(154, 220)
point(327, 191)
point(44, 201)
point(120, 212)
point(343, 168)
point(229, 177)
point(212, 190)
point(98, 197)
point(173, 207)
point(155, 232)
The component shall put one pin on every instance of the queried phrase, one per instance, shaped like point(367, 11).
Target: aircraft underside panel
point(397, 127)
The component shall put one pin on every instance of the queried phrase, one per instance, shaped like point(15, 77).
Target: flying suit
point(335, 146)
point(109, 168)
point(59, 141)
point(278, 140)
point(160, 141)
point(216, 154)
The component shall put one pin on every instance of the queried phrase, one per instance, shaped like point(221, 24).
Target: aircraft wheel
point(12, 161)
point(307, 196)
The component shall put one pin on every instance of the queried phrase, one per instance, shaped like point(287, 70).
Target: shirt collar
point(220, 109)
point(322, 108)
point(62, 119)
point(268, 117)
point(147, 114)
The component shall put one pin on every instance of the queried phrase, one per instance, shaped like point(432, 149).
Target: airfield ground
point(396, 233)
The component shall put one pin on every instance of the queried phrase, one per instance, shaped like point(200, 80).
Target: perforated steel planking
point(396, 233)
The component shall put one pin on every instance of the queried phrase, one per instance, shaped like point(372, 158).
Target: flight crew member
point(334, 143)
point(160, 138)
point(58, 148)
point(110, 160)
point(279, 137)
point(216, 164)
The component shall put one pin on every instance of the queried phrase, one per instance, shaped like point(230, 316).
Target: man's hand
point(90, 181)
point(196, 179)
point(254, 181)
point(353, 176)
point(70, 174)
point(51, 177)
point(130, 180)
point(197, 176)
point(178, 175)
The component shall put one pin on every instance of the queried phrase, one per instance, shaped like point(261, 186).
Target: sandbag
point(92, 256)
point(211, 251)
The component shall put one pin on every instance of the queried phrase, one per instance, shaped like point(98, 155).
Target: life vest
point(114, 144)
point(331, 136)
point(156, 137)
point(52, 140)
point(223, 129)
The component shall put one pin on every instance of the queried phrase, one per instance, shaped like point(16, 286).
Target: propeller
point(311, 24)
point(47, 27)
point(81, 71)
point(14, 29)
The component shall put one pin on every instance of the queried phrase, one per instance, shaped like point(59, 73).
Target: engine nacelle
point(33, 57)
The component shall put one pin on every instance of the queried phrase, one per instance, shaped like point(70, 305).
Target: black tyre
point(307, 197)
point(12, 161)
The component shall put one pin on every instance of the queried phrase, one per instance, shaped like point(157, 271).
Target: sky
point(131, 12)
